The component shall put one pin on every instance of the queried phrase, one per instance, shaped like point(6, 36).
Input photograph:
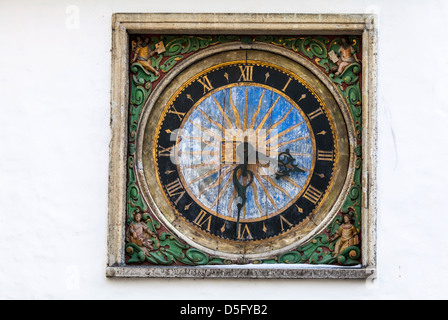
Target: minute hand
point(241, 189)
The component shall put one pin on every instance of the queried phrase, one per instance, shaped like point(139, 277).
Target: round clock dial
point(244, 153)
point(211, 149)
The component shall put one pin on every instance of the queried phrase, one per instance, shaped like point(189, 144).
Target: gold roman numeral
point(283, 219)
point(243, 230)
point(165, 152)
point(324, 155)
point(286, 85)
point(246, 73)
point(312, 194)
point(202, 219)
point(179, 114)
point(174, 189)
point(206, 84)
point(315, 114)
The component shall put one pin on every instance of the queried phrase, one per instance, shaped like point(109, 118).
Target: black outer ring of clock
point(291, 216)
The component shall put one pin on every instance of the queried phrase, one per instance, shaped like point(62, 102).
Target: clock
point(245, 152)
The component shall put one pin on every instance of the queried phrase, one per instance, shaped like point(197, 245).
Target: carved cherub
point(138, 233)
point(347, 56)
point(347, 234)
point(142, 54)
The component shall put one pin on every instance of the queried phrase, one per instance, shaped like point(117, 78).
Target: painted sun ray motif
point(210, 133)
point(199, 165)
point(257, 203)
point(275, 147)
point(222, 176)
point(217, 181)
point(198, 152)
point(205, 175)
point(295, 154)
point(235, 111)
point(246, 110)
point(281, 134)
point(201, 139)
point(266, 191)
point(223, 189)
point(229, 124)
point(216, 123)
point(275, 125)
point(232, 199)
point(255, 115)
point(295, 184)
point(276, 186)
point(268, 114)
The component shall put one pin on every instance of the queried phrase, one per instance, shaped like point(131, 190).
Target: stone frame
point(124, 24)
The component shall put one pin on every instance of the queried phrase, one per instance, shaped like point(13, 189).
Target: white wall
point(54, 136)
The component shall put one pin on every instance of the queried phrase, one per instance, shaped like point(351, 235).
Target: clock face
point(211, 154)
point(244, 153)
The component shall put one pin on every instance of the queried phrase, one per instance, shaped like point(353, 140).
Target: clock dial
point(235, 125)
point(210, 139)
point(244, 152)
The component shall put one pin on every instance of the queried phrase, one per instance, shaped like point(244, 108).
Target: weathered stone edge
point(240, 273)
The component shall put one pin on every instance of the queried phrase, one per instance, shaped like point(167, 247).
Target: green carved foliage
point(168, 250)
point(349, 76)
point(318, 252)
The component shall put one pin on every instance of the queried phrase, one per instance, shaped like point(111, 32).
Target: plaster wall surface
point(54, 139)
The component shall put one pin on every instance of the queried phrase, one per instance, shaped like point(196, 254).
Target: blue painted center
point(222, 121)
